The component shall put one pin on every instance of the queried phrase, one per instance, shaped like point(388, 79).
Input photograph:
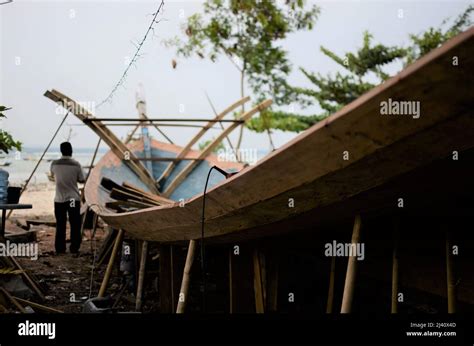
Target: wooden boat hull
point(311, 172)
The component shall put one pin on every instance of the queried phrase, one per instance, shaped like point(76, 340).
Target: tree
point(6, 140)
point(248, 33)
point(334, 91)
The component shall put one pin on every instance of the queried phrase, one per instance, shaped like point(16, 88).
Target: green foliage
point(248, 33)
point(204, 144)
point(6, 140)
point(283, 121)
point(334, 91)
point(435, 37)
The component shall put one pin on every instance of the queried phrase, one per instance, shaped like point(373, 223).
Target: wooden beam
point(183, 294)
point(115, 144)
point(450, 280)
point(329, 306)
point(108, 271)
point(194, 140)
point(211, 146)
point(349, 285)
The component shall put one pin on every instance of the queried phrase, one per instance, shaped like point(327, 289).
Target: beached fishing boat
point(408, 122)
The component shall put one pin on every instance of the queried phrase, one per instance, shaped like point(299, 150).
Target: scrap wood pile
point(129, 197)
point(11, 272)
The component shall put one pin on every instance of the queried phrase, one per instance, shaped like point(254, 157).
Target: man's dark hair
point(66, 149)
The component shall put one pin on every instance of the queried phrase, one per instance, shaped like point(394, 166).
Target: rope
point(41, 159)
point(135, 57)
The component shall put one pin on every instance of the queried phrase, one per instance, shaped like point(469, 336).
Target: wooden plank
point(122, 206)
point(211, 146)
point(122, 195)
point(194, 140)
point(160, 199)
point(349, 285)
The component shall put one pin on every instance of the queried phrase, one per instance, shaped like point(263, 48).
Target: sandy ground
point(42, 198)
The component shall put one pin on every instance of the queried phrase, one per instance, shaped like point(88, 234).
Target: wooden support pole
point(141, 276)
point(166, 304)
point(331, 286)
point(349, 284)
point(231, 296)
point(394, 308)
point(258, 283)
point(108, 272)
point(451, 284)
point(273, 277)
point(172, 269)
point(183, 294)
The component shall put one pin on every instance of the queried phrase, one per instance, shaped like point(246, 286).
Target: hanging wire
point(135, 57)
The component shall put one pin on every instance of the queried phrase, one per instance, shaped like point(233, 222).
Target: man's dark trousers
point(61, 212)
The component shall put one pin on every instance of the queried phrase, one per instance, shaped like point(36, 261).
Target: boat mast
point(141, 108)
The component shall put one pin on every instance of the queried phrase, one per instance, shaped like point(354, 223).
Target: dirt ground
point(68, 280)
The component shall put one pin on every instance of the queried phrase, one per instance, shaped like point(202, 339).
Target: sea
point(22, 164)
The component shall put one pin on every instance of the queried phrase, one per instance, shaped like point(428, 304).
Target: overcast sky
point(81, 49)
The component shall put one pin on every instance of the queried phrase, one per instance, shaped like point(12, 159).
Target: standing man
point(67, 173)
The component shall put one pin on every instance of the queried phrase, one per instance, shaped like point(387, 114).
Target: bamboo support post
point(332, 274)
point(273, 277)
point(394, 308)
point(173, 300)
point(349, 284)
point(231, 296)
point(108, 272)
point(183, 295)
point(258, 283)
point(141, 276)
point(451, 285)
